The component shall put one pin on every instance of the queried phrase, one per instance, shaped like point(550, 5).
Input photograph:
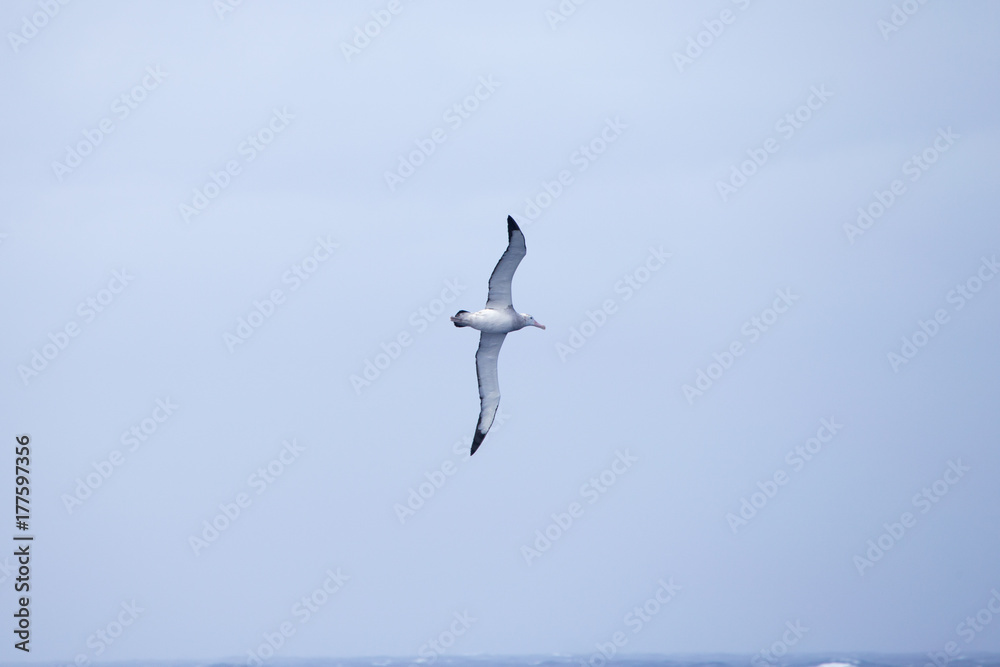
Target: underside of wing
point(503, 273)
point(489, 383)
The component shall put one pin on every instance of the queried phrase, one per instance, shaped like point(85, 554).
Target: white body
point(490, 320)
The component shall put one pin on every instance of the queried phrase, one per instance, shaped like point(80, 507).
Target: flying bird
point(494, 322)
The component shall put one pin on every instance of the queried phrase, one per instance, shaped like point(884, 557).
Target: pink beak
point(540, 326)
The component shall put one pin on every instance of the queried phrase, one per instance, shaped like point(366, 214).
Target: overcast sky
point(762, 235)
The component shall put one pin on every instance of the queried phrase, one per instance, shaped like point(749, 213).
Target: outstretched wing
point(489, 383)
point(503, 273)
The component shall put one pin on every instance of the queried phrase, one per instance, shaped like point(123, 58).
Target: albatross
point(494, 322)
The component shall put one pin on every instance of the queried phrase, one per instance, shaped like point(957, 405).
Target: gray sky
point(171, 172)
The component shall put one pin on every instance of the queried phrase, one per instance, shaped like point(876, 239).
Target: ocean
point(842, 659)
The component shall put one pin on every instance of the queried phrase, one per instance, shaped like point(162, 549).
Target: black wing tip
point(511, 226)
point(477, 440)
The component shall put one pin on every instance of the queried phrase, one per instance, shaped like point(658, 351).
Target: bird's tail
point(458, 319)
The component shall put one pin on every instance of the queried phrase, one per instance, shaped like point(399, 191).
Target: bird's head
point(529, 321)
